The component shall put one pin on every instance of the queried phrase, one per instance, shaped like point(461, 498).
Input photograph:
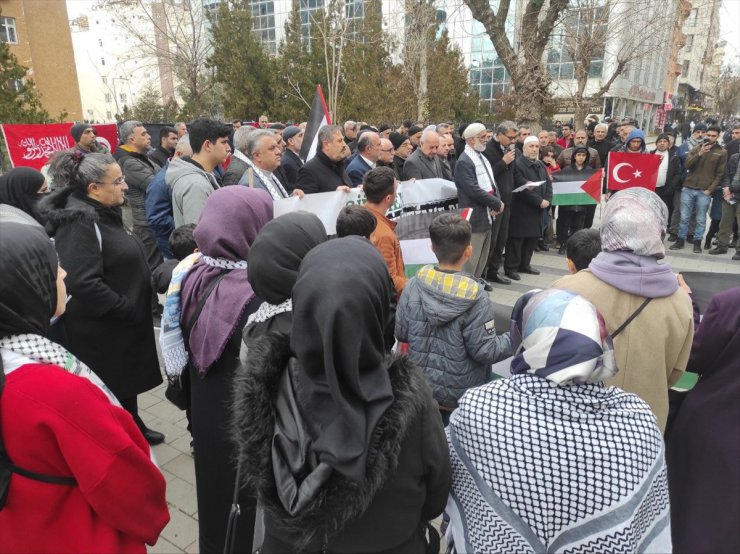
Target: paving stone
point(181, 495)
point(183, 467)
point(165, 453)
point(163, 546)
point(181, 531)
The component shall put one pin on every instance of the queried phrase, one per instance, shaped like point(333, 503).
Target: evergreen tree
point(241, 64)
point(297, 72)
point(19, 99)
point(450, 95)
point(150, 109)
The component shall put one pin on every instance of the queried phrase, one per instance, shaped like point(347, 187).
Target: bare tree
point(601, 39)
point(420, 23)
point(179, 43)
point(727, 92)
point(529, 76)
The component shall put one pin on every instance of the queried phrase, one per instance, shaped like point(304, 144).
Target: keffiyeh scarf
point(41, 350)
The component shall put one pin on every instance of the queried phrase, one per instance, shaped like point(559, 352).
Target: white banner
point(418, 202)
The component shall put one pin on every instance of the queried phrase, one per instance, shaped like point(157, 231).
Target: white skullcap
point(472, 130)
point(530, 139)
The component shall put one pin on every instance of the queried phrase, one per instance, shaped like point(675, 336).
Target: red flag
point(32, 145)
point(630, 169)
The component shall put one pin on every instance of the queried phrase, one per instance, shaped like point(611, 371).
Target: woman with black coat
point(344, 446)
point(108, 321)
point(21, 189)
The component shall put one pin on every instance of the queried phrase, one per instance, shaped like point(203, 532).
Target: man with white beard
point(476, 189)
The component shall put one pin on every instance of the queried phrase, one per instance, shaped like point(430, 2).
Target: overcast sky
point(729, 18)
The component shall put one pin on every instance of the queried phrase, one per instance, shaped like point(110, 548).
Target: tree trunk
point(422, 99)
point(581, 113)
point(530, 97)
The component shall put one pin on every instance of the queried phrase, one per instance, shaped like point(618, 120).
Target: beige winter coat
point(653, 350)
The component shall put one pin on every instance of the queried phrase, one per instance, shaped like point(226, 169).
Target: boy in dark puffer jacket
point(447, 319)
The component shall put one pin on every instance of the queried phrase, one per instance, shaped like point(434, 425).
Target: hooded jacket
point(408, 472)
point(447, 319)
point(635, 134)
point(191, 186)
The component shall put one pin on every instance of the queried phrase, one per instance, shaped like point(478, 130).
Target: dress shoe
point(513, 275)
point(561, 250)
point(672, 237)
point(678, 245)
point(153, 437)
point(697, 247)
point(500, 279)
point(529, 269)
point(707, 244)
point(718, 250)
point(736, 257)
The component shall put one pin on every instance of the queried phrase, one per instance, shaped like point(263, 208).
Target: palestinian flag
point(318, 117)
point(576, 188)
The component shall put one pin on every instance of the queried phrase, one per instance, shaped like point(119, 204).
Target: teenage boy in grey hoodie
point(190, 178)
point(446, 317)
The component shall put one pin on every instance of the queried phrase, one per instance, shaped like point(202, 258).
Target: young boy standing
point(446, 317)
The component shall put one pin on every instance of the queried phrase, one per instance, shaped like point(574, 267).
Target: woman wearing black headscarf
point(20, 190)
point(93, 486)
point(344, 445)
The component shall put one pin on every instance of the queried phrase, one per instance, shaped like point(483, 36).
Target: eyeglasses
point(117, 183)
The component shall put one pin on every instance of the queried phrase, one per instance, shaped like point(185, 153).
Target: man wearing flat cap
point(476, 189)
point(291, 161)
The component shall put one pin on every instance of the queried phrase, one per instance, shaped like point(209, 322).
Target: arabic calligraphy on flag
point(630, 169)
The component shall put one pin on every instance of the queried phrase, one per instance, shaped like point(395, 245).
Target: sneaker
point(718, 250)
point(678, 245)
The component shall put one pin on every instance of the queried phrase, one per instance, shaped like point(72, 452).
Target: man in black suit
point(291, 161)
point(325, 172)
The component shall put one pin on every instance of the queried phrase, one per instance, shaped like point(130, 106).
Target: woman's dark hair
point(355, 220)
point(450, 235)
point(74, 170)
point(182, 242)
point(547, 150)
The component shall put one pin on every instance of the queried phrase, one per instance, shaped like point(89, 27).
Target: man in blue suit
point(368, 150)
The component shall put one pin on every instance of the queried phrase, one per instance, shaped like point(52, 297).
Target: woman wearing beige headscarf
point(626, 280)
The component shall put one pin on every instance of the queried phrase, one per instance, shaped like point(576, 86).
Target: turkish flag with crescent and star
point(631, 169)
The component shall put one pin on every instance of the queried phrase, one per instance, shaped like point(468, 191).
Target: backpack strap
point(630, 318)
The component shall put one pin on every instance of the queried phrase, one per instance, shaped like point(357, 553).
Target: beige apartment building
point(38, 34)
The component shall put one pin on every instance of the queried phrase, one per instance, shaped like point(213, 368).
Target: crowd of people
point(337, 403)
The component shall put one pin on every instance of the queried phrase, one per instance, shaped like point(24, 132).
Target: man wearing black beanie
point(402, 147)
point(84, 136)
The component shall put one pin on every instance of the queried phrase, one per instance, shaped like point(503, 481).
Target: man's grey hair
point(240, 137)
point(254, 138)
point(350, 124)
point(183, 146)
point(126, 130)
point(326, 133)
point(602, 126)
point(365, 142)
point(506, 126)
point(426, 134)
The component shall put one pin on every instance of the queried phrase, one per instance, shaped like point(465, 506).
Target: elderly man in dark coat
point(525, 226)
point(291, 161)
point(423, 163)
point(326, 171)
point(477, 189)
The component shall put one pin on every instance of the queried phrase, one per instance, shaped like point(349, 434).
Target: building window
point(102, 61)
point(7, 30)
point(122, 96)
point(263, 23)
point(693, 17)
point(108, 98)
point(689, 44)
point(108, 116)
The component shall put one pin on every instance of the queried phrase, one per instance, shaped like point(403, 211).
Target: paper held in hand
point(528, 186)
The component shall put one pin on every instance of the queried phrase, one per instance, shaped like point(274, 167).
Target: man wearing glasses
point(705, 164)
point(368, 152)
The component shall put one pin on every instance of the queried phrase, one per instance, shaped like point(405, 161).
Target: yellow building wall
point(45, 47)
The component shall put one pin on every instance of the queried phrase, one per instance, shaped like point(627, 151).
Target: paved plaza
point(181, 535)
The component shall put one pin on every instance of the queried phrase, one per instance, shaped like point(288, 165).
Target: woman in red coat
point(75, 472)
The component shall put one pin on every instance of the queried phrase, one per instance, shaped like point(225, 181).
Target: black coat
point(320, 174)
point(673, 177)
point(398, 166)
point(503, 173)
point(470, 195)
point(160, 156)
point(405, 485)
point(234, 172)
point(108, 319)
point(291, 163)
point(526, 214)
